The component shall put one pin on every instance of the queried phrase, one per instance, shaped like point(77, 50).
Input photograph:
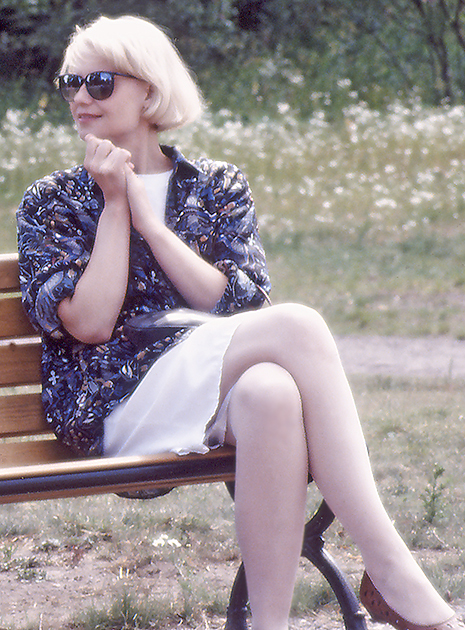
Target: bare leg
point(265, 417)
point(296, 339)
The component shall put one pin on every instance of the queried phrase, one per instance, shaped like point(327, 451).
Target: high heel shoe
point(380, 611)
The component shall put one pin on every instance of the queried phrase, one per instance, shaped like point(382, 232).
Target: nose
point(82, 95)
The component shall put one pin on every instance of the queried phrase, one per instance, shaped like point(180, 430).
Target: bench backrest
point(25, 437)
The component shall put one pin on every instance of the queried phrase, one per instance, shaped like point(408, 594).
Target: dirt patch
point(423, 357)
point(68, 580)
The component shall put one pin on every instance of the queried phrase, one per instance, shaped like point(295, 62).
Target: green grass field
point(363, 219)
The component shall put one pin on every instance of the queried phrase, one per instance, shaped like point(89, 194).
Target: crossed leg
point(291, 407)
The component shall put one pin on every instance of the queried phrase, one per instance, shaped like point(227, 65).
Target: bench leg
point(313, 550)
point(236, 617)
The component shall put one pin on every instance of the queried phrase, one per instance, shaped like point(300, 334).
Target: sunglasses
point(100, 84)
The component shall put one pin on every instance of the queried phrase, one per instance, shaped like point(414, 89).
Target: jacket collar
point(182, 168)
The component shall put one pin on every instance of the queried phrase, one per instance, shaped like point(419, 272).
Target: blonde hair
point(138, 47)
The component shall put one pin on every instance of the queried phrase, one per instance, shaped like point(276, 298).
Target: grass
point(413, 428)
point(362, 217)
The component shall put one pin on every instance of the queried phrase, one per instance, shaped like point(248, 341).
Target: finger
point(92, 145)
point(97, 154)
point(103, 149)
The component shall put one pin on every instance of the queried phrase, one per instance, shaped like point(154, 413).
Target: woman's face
point(117, 118)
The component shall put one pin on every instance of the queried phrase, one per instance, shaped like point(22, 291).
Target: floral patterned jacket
point(209, 206)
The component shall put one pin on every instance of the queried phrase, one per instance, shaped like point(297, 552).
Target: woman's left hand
point(201, 284)
point(142, 217)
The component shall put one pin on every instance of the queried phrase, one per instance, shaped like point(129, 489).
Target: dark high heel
point(380, 611)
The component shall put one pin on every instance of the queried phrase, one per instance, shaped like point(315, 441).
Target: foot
point(380, 611)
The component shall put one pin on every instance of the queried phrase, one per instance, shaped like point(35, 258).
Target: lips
point(85, 117)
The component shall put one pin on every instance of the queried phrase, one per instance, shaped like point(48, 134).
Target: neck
point(146, 153)
point(151, 159)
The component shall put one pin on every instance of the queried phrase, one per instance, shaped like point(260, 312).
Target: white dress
point(174, 408)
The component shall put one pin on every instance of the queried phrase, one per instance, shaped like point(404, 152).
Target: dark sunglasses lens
point(100, 85)
point(69, 85)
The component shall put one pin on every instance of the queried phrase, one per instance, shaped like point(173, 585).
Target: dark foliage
point(252, 54)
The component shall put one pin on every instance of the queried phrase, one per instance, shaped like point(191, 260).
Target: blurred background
point(347, 118)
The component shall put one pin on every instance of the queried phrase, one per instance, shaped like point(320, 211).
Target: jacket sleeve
point(236, 248)
point(53, 251)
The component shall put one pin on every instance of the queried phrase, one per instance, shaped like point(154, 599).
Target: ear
point(147, 100)
point(148, 96)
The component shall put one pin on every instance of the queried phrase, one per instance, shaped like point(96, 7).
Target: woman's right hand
point(107, 164)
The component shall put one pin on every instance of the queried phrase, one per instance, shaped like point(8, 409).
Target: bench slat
point(104, 464)
point(33, 452)
point(102, 475)
point(9, 272)
point(13, 320)
point(22, 414)
point(20, 363)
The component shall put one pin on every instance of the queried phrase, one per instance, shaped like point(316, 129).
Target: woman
point(139, 228)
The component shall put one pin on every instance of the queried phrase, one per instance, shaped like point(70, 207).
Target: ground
point(429, 357)
point(77, 577)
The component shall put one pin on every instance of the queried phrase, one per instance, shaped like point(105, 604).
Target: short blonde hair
point(138, 47)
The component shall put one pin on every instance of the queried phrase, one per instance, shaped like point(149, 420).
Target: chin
point(84, 127)
point(81, 132)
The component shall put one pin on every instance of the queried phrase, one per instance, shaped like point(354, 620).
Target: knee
point(302, 329)
point(266, 398)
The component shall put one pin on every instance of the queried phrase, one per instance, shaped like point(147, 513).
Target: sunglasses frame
point(89, 86)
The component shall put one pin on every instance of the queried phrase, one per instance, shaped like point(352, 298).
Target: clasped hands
point(113, 170)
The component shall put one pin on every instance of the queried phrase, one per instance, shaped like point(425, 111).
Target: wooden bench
point(34, 465)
